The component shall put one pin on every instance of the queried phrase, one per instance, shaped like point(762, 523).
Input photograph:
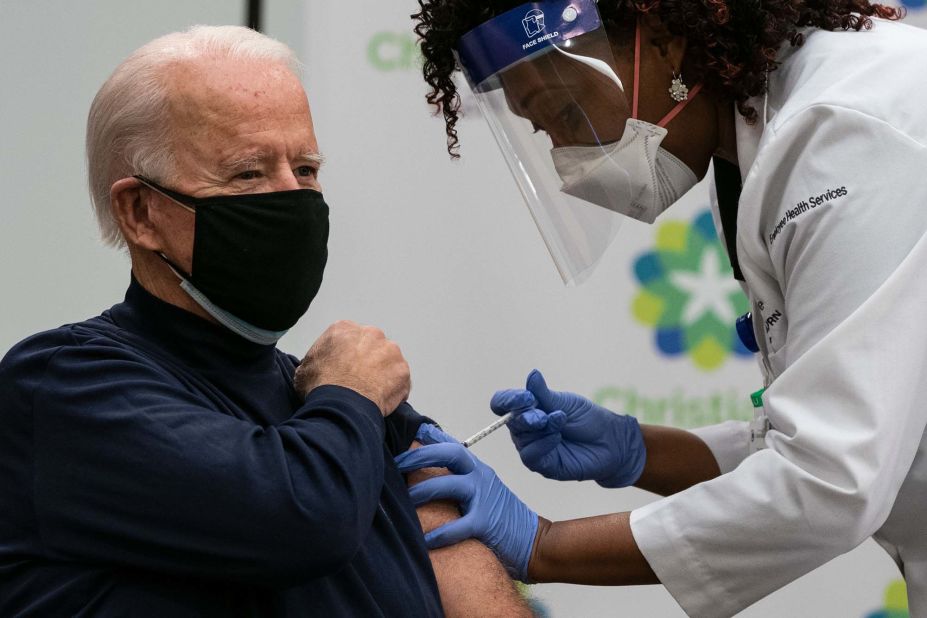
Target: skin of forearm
point(595, 551)
point(471, 580)
point(676, 460)
point(602, 550)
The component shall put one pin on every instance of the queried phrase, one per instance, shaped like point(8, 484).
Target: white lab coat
point(832, 241)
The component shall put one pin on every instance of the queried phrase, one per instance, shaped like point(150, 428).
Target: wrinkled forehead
point(214, 92)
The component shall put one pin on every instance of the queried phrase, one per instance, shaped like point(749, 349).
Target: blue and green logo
point(689, 295)
point(896, 602)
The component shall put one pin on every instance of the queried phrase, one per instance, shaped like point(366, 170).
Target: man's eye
point(306, 170)
point(249, 175)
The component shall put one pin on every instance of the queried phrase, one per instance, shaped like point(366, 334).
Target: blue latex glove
point(491, 512)
point(567, 437)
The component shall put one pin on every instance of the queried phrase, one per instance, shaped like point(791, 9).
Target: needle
point(488, 430)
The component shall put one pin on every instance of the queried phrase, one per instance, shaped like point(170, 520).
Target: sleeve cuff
point(342, 399)
point(402, 427)
point(729, 442)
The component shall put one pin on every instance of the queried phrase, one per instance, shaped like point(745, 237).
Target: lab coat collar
point(749, 136)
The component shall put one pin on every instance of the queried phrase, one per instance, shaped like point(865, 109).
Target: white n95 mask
point(632, 176)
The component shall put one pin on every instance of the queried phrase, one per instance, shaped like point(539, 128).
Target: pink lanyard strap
point(679, 106)
point(637, 81)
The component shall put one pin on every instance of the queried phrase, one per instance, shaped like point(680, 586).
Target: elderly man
point(164, 458)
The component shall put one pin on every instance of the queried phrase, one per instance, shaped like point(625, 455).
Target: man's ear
point(130, 201)
point(672, 47)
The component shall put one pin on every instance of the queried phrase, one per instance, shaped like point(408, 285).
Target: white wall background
point(443, 256)
point(55, 55)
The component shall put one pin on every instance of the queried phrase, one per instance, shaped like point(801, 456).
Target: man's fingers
point(360, 358)
point(450, 455)
point(450, 533)
point(512, 400)
point(373, 332)
point(456, 488)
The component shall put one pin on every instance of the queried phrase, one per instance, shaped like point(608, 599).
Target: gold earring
point(678, 91)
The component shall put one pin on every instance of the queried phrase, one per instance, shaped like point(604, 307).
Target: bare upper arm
point(471, 580)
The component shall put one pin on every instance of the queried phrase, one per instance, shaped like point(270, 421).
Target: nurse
point(814, 116)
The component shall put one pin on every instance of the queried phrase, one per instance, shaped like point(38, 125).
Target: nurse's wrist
point(631, 457)
point(537, 570)
point(598, 551)
point(676, 460)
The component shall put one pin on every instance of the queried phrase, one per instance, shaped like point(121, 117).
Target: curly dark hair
point(731, 44)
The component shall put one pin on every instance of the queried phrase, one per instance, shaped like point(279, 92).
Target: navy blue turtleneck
point(155, 464)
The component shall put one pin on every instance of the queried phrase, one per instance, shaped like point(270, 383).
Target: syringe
point(488, 430)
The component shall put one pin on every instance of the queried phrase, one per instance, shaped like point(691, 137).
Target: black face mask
point(257, 256)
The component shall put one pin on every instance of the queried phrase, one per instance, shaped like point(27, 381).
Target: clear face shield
point(546, 79)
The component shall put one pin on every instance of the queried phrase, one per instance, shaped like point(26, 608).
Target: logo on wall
point(677, 408)
point(394, 51)
point(896, 602)
point(533, 22)
point(689, 295)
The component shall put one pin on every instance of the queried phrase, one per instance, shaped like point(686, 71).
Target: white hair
point(128, 120)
